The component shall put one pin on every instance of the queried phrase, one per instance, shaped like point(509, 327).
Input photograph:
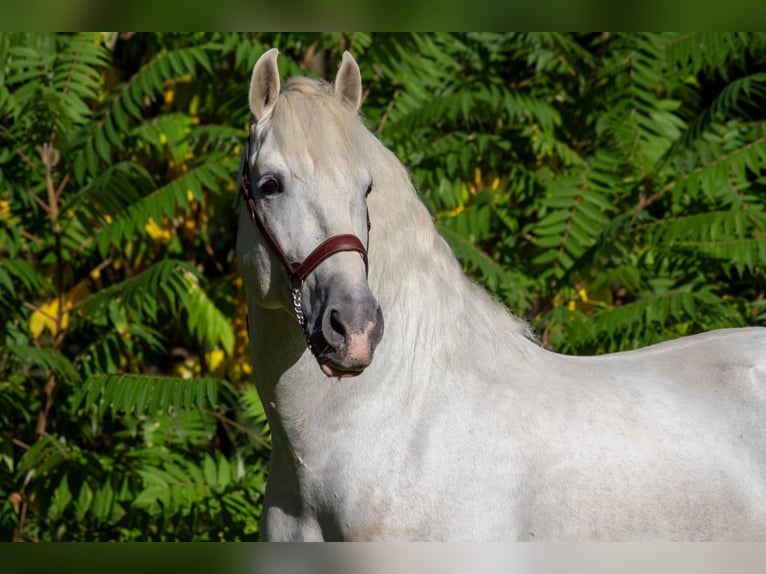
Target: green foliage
point(145, 394)
point(607, 187)
point(123, 353)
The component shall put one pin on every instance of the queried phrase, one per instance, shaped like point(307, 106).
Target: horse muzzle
point(346, 337)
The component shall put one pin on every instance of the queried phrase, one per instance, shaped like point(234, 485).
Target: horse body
point(463, 428)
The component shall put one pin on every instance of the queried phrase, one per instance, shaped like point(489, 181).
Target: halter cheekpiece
point(298, 271)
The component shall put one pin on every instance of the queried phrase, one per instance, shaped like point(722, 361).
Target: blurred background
point(608, 187)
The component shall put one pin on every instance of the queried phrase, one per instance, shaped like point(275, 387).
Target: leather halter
point(297, 271)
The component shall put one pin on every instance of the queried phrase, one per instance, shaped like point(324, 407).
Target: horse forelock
point(312, 129)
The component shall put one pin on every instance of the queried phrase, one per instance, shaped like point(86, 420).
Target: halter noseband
point(298, 271)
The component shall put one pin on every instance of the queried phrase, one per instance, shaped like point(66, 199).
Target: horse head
point(305, 178)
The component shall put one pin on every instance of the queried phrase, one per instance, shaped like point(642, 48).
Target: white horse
point(462, 427)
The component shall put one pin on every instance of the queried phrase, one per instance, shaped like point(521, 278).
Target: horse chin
point(339, 372)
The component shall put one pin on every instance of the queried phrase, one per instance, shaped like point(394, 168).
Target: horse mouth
point(336, 371)
point(331, 364)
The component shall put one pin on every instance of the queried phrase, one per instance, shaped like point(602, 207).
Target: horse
point(449, 421)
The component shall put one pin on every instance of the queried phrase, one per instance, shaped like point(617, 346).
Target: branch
point(389, 107)
point(227, 421)
point(643, 203)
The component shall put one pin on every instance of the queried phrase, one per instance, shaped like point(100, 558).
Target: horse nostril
point(335, 329)
point(336, 324)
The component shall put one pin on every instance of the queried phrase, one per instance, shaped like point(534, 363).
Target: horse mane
point(415, 259)
point(413, 267)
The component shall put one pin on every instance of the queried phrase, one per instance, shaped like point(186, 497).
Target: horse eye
point(269, 185)
point(369, 189)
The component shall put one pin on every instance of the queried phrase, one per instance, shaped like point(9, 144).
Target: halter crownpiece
point(298, 271)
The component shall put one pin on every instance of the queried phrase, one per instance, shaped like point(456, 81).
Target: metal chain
point(298, 307)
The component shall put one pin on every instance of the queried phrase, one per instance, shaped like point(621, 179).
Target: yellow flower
point(457, 211)
point(156, 232)
point(216, 364)
point(194, 106)
point(5, 209)
point(188, 368)
point(46, 318)
point(50, 316)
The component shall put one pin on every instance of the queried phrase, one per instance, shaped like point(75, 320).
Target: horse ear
point(265, 84)
point(348, 82)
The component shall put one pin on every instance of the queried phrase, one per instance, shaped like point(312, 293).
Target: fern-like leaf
point(144, 394)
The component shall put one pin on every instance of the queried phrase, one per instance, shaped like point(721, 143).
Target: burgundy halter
point(298, 271)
